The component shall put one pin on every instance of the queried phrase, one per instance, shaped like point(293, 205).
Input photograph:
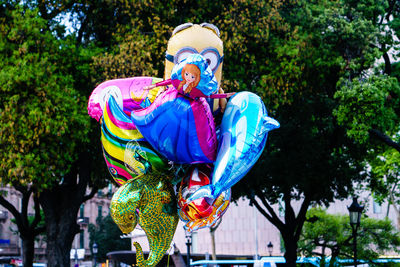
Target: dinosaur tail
point(153, 259)
point(140, 261)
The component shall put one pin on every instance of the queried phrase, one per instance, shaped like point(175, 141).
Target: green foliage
point(245, 29)
point(331, 235)
point(310, 158)
point(42, 116)
point(132, 58)
point(107, 236)
point(368, 104)
point(292, 53)
point(385, 177)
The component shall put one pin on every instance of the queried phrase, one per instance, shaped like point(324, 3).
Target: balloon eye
point(183, 54)
point(212, 59)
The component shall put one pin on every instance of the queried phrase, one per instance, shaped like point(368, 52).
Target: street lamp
point(188, 236)
point(270, 247)
point(95, 250)
point(355, 211)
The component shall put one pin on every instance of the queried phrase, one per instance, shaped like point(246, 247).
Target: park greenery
point(330, 237)
point(314, 63)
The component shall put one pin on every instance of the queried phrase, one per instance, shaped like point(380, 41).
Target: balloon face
point(188, 39)
point(200, 213)
point(195, 69)
point(179, 128)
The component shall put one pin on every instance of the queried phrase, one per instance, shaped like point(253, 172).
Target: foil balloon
point(127, 154)
point(244, 131)
point(149, 202)
point(181, 128)
point(203, 39)
point(202, 212)
point(207, 83)
point(128, 94)
point(146, 122)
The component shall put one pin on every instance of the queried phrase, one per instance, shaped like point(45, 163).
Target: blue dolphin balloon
point(244, 131)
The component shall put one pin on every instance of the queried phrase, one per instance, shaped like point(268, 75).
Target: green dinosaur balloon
point(150, 202)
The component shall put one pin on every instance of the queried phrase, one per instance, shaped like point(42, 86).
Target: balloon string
point(169, 254)
point(221, 95)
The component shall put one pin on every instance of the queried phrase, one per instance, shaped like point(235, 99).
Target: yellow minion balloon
point(201, 39)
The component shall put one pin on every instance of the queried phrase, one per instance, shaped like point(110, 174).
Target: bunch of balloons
point(178, 131)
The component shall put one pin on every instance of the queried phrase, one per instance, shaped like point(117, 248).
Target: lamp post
point(82, 222)
point(355, 211)
point(188, 236)
point(270, 247)
point(95, 250)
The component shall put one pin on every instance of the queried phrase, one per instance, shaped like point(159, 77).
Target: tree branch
point(275, 221)
point(39, 230)
point(274, 218)
point(301, 217)
point(24, 206)
point(38, 216)
point(11, 209)
point(388, 66)
point(91, 194)
point(84, 25)
point(384, 138)
point(290, 216)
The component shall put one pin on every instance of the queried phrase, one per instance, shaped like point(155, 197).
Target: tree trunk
point(27, 230)
point(290, 249)
point(28, 249)
point(335, 254)
point(60, 206)
point(60, 209)
point(396, 209)
point(291, 228)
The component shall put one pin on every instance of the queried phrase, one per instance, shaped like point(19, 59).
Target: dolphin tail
point(269, 125)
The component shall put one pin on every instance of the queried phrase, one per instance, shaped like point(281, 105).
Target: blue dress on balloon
point(179, 126)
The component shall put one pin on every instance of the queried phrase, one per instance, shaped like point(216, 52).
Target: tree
point(44, 127)
point(331, 235)
point(29, 228)
point(369, 108)
point(293, 54)
point(385, 180)
point(107, 236)
point(310, 160)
